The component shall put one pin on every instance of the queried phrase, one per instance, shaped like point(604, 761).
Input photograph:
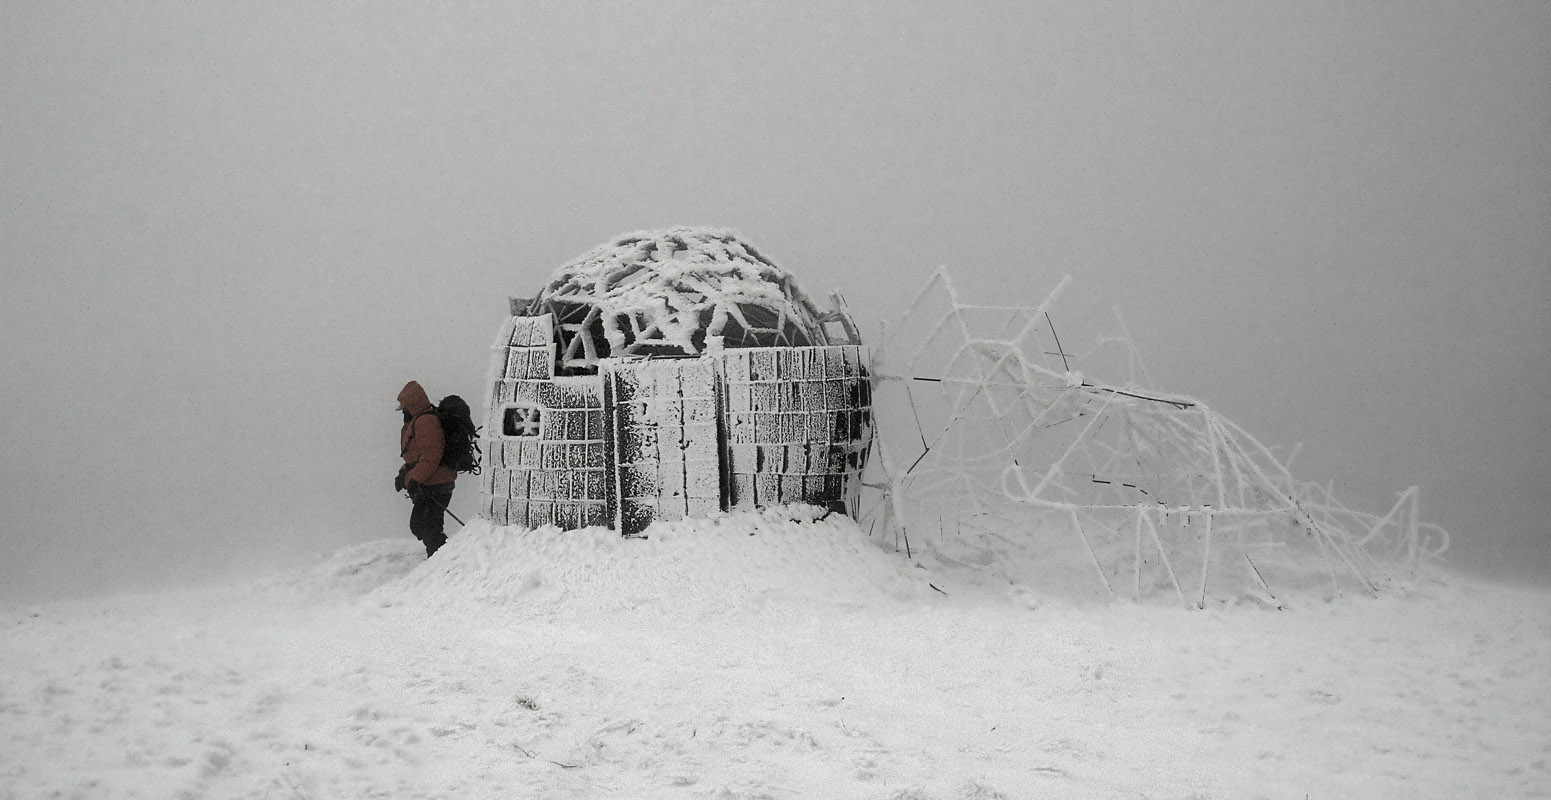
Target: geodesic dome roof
point(668, 292)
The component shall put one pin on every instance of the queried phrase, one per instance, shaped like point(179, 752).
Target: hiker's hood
point(412, 399)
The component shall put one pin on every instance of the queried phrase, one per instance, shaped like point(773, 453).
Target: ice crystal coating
point(993, 449)
point(674, 292)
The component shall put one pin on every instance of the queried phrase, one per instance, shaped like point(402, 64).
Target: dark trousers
point(427, 517)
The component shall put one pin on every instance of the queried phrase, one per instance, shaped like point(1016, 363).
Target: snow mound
point(351, 571)
point(791, 556)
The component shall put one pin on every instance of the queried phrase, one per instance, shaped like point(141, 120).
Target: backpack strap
point(411, 423)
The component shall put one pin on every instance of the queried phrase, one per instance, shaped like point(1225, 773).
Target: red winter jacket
point(420, 441)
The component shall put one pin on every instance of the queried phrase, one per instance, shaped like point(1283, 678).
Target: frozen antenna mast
point(992, 449)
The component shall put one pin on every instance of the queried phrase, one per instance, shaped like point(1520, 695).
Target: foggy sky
point(230, 232)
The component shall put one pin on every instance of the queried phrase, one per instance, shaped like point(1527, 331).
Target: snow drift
point(795, 555)
point(757, 656)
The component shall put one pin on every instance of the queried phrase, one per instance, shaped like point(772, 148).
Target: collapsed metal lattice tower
point(989, 441)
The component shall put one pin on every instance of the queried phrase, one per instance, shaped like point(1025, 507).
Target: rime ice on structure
point(670, 374)
point(994, 436)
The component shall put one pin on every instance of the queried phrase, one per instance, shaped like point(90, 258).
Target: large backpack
point(460, 438)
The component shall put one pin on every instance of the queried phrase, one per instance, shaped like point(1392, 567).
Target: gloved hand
point(398, 480)
point(414, 488)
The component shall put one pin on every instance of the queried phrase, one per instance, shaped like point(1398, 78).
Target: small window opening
point(521, 421)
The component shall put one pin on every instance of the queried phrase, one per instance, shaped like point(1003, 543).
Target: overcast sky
point(229, 232)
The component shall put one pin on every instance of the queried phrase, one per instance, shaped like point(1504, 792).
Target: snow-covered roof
point(665, 292)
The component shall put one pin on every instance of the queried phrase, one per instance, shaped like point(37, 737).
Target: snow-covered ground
point(759, 657)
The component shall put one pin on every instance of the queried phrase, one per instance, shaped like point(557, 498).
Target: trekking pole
point(444, 508)
point(448, 510)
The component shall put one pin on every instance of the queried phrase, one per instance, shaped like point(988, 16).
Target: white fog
point(232, 232)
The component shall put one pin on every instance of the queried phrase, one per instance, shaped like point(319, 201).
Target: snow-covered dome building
point(672, 293)
point(669, 374)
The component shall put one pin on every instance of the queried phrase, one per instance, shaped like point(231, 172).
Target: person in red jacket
point(428, 481)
